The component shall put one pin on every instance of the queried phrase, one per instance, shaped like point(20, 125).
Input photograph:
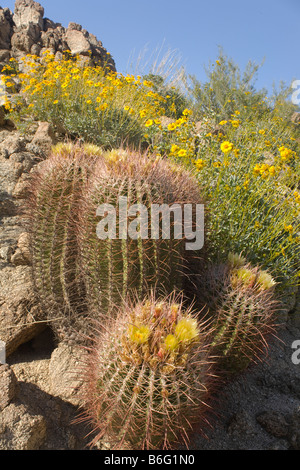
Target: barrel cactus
point(148, 376)
point(135, 262)
point(242, 303)
point(52, 213)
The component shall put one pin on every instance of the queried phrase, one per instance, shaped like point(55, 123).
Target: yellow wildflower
point(182, 153)
point(288, 228)
point(172, 126)
point(199, 164)
point(226, 147)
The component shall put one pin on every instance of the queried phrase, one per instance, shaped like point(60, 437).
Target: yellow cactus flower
point(171, 343)
point(237, 261)
point(265, 280)
point(187, 329)
point(246, 276)
point(139, 335)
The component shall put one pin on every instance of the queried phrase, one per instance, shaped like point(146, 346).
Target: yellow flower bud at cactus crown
point(265, 280)
point(246, 276)
point(171, 343)
point(139, 335)
point(187, 330)
point(237, 261)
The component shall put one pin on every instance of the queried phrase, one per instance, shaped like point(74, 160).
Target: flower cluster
point(160, 334)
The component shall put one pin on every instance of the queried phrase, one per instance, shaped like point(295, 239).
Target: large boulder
point(28, 12)
point(65, 373)
point(25, 37)
point(77, 43)
point(8, 386)
point(20, 429)
point(6, 29)
point(19, 316)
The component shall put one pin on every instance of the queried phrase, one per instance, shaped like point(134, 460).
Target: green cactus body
point(242, 304)
point(115, 267)
point(148, 377)
point(52, 213)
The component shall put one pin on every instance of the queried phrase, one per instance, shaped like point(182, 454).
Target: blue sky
point(193, 29)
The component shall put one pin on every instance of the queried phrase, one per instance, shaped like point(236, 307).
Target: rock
point(274, 423)
point(12, 144)
point(7, 207)
point(74, 27)
point(240, 423)
point(35, 50)
point(49, 24)
point(51, 39)
point(19, 314)
point(295, 314)
point(6, 251)
point(8, 386)
point(77, 43)
point(25, 37)
point(4, 54)
point(43, 139)
point(22, 255)
point(23, 162)
point(165, 121)
point(27, 32)
point(21, 190)
point(294, 436)
point(2, 117)
point(8, 180)
point(5, 30)
point(28, 12)
point(64, 372)
point(295, 118)
point(20, 429)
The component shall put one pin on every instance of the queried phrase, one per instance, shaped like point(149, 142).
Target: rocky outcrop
point(19, 314)
point(26, 31)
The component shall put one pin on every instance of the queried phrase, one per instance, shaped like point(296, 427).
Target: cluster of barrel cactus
point(74, 269)
point(153, 360)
